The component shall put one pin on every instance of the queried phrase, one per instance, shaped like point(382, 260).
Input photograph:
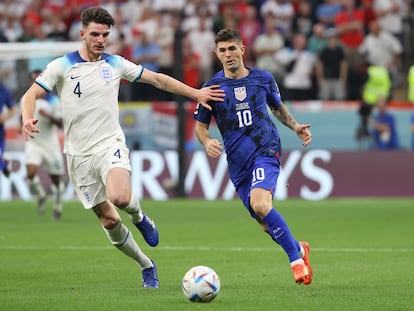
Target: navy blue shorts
point(263, 174)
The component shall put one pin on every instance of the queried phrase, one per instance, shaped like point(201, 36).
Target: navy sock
point(280, 233)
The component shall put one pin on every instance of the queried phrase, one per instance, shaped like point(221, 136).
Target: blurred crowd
point(316, 49)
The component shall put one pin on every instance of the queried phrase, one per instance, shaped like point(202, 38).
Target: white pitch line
point(208, 248)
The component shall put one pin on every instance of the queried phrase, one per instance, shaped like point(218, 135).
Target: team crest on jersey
point(240, 93)
point(106, 73)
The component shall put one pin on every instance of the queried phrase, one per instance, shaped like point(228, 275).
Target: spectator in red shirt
point(349, 25)
point(191, 64)
point(369, 13)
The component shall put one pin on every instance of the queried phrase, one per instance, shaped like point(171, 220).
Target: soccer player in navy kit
point(252, 143)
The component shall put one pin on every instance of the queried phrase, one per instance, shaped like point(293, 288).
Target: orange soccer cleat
point(305, 257)
point(302, 274)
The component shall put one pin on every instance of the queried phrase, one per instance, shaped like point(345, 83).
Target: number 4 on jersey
point(77, 90)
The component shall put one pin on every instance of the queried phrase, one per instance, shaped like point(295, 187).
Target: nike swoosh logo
point(74, 77)
point(256, 182)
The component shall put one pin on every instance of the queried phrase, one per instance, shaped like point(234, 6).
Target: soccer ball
point(201, 284)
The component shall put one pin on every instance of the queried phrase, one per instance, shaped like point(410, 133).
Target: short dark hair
point(228, 34)
point(98, 15)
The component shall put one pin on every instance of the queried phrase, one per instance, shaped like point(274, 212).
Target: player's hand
point(210, 93)
point(213, 148)
point(29, 127)
point(302, 130)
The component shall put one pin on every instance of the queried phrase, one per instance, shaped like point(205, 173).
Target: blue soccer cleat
point(148, 230)
point(150, 277)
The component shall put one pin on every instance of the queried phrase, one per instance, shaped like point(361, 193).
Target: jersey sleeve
point(51, 75)
point(131, 71)
point(202, 114)
point(274, 98)
point(128, 70)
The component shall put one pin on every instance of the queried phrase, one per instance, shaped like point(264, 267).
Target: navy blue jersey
point(243, 118)
point(6, 99)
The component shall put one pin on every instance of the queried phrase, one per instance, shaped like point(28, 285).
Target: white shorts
point(88, 173)
point(51, 159)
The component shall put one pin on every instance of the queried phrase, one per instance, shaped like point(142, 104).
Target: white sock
point(36, 187)
point(134, 209)
point(301, 251)
point(296, 262)
point(122, 238)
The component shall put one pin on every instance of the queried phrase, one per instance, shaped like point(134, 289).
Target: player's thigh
point(265, 173)
point(263, 176)
point(261, 201)
point(116, 173)
point(118, 186)
point(84, 174)
point(260, 197)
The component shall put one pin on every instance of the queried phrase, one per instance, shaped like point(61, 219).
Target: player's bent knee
point(262, 225)
point(261, 210)
point(121, 201)
point(109, 222)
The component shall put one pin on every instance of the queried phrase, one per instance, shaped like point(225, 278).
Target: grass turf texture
point(361, 251)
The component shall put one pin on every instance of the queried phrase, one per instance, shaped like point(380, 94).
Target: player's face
point(95, 38)
point(230, 54)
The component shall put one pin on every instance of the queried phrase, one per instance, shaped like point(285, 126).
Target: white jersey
point(88, 94)
point(48, 136)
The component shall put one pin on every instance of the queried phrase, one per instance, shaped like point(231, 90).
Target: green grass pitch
point(362, 253)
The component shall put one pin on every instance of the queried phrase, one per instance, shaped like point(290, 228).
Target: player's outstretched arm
point(302, 130)
point(28, 105)
point(171, 85)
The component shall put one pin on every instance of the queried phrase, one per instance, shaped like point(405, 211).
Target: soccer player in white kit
point(98, 162)
point(46, 150)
